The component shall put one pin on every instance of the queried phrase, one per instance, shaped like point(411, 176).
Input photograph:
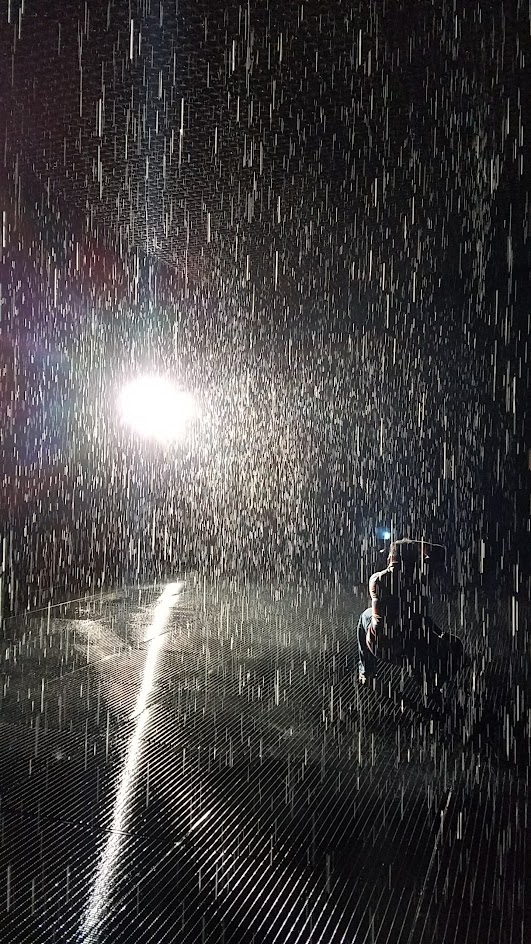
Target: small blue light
point(383, 533)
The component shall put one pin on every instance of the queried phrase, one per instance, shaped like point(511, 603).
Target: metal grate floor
point(203, 767)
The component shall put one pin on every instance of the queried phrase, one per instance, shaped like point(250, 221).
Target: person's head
point(404, 555)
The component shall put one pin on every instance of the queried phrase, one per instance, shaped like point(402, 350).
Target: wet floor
point(197, 762)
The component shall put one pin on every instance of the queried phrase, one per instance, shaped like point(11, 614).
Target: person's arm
point(374, 632)
point(378, 611)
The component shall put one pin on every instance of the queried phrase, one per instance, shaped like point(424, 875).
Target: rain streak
point(264, 471)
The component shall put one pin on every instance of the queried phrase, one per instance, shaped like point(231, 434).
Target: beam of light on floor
point(98, 901)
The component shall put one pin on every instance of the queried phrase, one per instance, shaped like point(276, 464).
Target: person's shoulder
point(380, 574)
point(378, 578)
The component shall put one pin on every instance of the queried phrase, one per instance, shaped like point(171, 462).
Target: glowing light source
point(155, 408)
point(383, 533)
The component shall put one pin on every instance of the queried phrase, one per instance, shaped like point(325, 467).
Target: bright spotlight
point(155, 408)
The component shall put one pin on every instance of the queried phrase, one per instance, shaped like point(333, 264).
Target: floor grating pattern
point(205, 768)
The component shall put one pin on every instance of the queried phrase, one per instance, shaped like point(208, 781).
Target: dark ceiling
point(263, 136)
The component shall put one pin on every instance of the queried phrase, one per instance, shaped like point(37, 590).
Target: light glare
point(155, 408)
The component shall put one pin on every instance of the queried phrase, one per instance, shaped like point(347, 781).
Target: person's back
point(398, 628)
point(398, 600)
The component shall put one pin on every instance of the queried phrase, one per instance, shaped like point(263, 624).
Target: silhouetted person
point(397, 628)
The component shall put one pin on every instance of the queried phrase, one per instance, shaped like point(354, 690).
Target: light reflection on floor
point(98, 899)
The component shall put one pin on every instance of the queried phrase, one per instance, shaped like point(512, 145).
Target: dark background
point(315, 217)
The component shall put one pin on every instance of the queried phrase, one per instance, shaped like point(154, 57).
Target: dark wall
point(335, 262)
